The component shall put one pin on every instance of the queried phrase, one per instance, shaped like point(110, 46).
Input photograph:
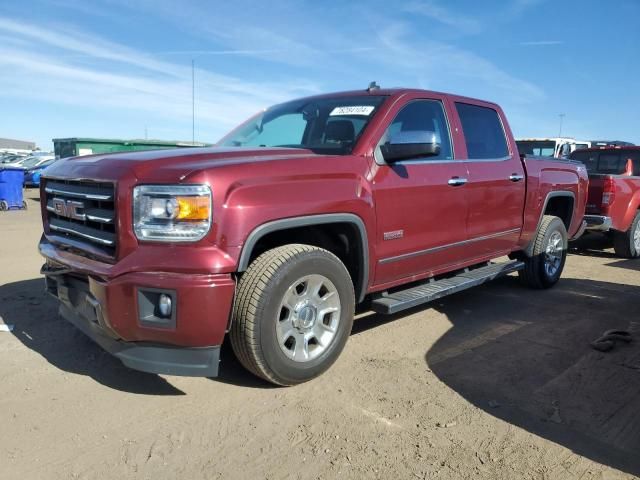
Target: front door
point(421, 205)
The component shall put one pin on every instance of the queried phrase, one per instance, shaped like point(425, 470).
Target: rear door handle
point(514, 177)
point(457, 181)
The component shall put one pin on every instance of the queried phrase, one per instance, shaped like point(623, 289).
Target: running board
point(402, 299)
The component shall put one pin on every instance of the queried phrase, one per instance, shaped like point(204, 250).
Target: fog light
point(164, 305)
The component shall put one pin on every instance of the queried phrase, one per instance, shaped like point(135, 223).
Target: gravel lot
point(498, 382)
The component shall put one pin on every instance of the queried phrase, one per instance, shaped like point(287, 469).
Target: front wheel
point(627, 244)
point(293, 314)
point(544, 267)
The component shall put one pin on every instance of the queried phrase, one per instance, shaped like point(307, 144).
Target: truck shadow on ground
point(630, 264)
point(524, 356)
point(38, 326)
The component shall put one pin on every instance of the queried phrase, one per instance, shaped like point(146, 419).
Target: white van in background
point(561, 147)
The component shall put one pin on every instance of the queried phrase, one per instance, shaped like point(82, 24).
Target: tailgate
point(594, 199)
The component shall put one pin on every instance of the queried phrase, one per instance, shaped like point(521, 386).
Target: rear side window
point(483, 132)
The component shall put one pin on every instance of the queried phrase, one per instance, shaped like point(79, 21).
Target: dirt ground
point(497, 382)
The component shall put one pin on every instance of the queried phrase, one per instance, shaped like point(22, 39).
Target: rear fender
point(528, 251)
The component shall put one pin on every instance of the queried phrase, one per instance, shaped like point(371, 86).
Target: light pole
point(193, 102)
point(562, 115)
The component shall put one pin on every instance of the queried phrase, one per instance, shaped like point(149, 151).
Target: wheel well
point(341, 239)
point(561, 207)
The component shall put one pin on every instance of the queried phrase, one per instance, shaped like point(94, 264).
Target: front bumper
point(151, 358)
point(115, 314)
point(598, 223)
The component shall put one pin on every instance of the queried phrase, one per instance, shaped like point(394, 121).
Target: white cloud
point(443, 63)
point(78, 69)
point(518, 7)
point(457, 20)
point(541, 43)
point(60, 64)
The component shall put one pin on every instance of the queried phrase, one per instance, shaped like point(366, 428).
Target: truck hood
point(165, 165)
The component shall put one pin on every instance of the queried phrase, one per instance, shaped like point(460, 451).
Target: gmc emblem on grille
point(68, 208)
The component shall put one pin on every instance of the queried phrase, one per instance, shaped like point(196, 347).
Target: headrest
point(340, 131)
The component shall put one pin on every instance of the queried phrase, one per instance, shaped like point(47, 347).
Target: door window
point(483, 132)
point(423, 116)
point(565, 150)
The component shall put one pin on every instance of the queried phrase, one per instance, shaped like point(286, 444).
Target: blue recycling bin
point(11, 180)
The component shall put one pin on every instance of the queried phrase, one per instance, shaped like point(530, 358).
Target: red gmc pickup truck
point(396, 197)
point(613, 204)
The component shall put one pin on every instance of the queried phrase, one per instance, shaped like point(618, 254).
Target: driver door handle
point(514, 177)
point(457, 181)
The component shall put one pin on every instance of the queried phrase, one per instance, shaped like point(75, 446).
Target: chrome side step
point(402, 299)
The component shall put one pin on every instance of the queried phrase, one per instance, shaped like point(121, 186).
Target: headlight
point(171, 213)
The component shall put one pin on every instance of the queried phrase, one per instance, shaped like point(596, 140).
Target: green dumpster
point(71, 147)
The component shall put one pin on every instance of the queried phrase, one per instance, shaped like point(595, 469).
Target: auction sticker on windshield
point(353, 110)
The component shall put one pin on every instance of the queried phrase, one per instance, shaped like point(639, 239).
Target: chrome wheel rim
point(553, 254)
point(308, 318)
point(636, 237)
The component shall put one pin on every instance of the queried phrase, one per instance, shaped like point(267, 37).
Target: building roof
point(17, 144)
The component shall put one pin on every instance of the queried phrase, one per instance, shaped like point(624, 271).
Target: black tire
point(536, 273)
point(258, 311)
point(4, 205)
point(626, 244)
point(24, 205)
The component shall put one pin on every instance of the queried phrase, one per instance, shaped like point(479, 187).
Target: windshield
point(47, 163)
point(323, 125)
point(537, 148)
point(31, 162)
point(611, 162)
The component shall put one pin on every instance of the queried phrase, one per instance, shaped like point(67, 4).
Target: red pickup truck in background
point(613, 204)
point(397, 197)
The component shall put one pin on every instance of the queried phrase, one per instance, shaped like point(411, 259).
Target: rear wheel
point(292, 314)
point(627, 244)
point(544, 267)
point(4, 205)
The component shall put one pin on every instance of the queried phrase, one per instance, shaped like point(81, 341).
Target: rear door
point(496, 185)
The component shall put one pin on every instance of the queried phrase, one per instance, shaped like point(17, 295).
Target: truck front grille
point(82, 214)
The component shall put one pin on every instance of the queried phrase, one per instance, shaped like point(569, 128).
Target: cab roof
point(393, 92)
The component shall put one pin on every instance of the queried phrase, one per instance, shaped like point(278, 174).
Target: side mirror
point(410, 144)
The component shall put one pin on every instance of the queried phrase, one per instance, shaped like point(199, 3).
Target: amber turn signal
point(193, 208)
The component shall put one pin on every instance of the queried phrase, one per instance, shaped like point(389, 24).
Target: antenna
point(373, 86)
point(562, 115)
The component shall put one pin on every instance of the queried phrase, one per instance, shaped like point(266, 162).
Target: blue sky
point(115, 68)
